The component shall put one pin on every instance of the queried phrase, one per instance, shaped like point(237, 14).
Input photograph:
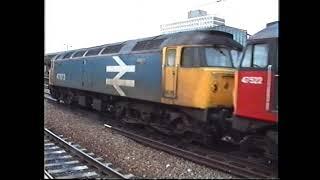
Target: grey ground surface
point(85, 129)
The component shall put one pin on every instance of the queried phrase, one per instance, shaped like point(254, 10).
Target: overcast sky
point(85, 23)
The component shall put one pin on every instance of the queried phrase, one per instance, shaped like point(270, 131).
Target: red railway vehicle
point(255, 117)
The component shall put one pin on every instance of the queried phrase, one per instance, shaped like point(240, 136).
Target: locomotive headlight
point(214, 87)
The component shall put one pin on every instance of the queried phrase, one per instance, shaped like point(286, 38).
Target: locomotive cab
point(199, 76)
point(257, 80)
point(256, 90)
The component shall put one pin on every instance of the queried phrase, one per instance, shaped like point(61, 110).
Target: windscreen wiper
point(221, 51)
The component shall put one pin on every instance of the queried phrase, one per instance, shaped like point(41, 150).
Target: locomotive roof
point(271, 31)
point(48, 57)
point(200, 37)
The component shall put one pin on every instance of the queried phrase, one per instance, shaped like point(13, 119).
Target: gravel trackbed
point(86, 129)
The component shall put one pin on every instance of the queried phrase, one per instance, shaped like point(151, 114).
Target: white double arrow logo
point(121, 69)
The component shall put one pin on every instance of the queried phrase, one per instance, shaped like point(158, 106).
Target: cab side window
point(187, 57)
point(191, 57)
point(170, 57)
point(256, 56)
point(260, 56)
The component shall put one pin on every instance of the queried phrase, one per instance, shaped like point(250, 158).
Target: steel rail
point(102, 168)
point(240, 170)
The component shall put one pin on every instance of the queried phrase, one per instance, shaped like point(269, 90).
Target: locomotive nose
point(222, 81)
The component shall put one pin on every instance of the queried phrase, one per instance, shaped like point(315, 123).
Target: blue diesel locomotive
point(179, 83)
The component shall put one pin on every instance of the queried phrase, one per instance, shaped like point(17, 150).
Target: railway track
point(217, 160)
point(65, 160)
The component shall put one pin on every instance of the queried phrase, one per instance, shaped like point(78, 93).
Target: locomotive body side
point(145, 78)
point(145, 75)
point(130, 75)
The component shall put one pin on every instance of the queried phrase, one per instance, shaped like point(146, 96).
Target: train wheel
point(54, 93)
point(68, 99)
point(187, 137)
point(178, 127)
